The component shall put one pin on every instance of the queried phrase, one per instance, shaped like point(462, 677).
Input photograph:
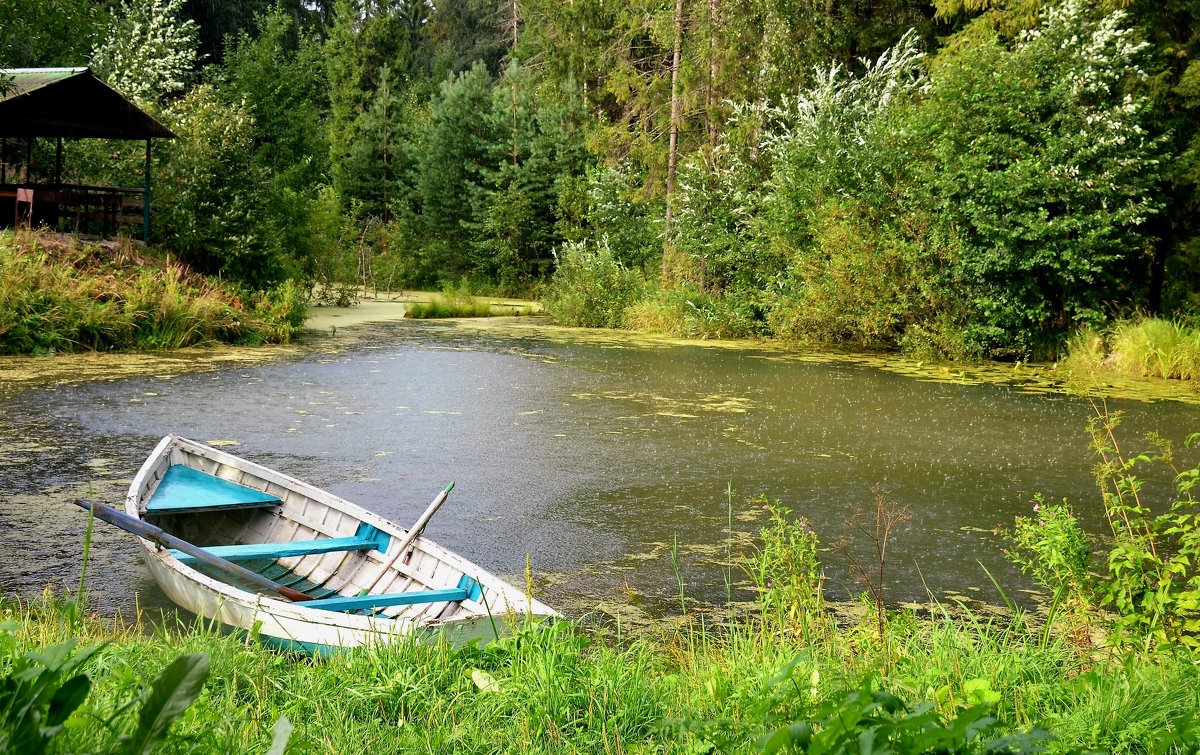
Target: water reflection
point(590, 454)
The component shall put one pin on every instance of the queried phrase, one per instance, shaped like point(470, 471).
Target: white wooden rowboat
point(362, 589)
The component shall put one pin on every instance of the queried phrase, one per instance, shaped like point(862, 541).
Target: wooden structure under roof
point(67, 103)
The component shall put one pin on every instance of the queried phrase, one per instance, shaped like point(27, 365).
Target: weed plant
point(71, 298)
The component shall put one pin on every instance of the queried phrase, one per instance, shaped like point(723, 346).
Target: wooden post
point(146, 198)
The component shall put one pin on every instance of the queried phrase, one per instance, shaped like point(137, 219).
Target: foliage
point(788, 575)
point(590, 287)
point(603, 204)
point(212, 196)
point(872, 720)
point(376, 170)
point(148, 52)
point(38, 694)
point(454, 159)
point(37, 33)
point(714, 223)
point(42, 690)
point(536, 152)
point(71, 298)
point(690, 312)
point(1042, 165)
point(278, 79)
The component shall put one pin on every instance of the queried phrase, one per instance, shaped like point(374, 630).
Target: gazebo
point(68, 103)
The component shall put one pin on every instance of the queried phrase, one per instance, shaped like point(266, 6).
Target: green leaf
point(280, 736)
point(67, 699)
point(173, 691)
point(484, 681)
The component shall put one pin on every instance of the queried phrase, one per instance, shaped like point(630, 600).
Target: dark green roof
point(71, 103)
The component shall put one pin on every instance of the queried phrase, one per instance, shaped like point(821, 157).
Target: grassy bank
point(66, 296)
point(693, 688)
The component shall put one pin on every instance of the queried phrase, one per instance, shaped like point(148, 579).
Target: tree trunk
point(710, 93)
point(673, 146)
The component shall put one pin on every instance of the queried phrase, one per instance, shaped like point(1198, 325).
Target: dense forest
point(966, 179)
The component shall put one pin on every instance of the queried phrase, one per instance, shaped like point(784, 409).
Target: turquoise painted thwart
point(187, 489)
point(467, 588)
point(367, 538)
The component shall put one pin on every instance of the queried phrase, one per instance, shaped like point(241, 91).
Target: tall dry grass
point(57, 296)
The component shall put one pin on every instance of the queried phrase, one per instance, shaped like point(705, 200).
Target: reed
point(443, 308)
point(1144, 346)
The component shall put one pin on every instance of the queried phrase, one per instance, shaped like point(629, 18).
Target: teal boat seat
point(367, 538)
point(467, 589)
point(186, 490)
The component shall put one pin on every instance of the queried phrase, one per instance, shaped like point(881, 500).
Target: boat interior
point(302, 543)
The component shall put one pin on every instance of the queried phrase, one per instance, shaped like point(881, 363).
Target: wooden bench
point(367, 538)
point(468, 589)
point(186, 490)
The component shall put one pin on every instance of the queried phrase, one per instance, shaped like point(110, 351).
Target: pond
point(590, 453)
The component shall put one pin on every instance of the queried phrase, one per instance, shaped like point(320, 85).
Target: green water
point(589, 452)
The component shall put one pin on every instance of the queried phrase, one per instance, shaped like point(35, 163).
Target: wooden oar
point(157, 536)
point(412, 535)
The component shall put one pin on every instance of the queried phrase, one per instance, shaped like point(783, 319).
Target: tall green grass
point(71, 298)
point(458, 301)
point(1147, 346)
point(700, 686)
point(443, 308)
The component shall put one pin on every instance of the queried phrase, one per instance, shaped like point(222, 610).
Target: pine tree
point(455, 155)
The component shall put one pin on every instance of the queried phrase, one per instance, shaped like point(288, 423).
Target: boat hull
point(309, 514)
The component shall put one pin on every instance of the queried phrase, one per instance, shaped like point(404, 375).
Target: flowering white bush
point(148, 52)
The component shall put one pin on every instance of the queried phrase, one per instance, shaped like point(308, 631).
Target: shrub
point(691, 312)
point(1037, 157)
point(590, 286)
